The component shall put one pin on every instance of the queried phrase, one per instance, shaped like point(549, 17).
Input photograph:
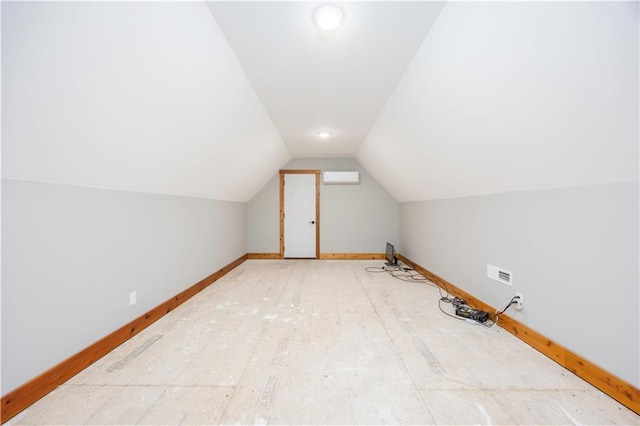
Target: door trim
point(299, 172)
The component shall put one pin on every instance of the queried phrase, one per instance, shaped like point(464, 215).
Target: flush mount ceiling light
point(328, 16)
point(324, 134)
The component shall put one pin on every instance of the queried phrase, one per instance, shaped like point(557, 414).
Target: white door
point(300, 215)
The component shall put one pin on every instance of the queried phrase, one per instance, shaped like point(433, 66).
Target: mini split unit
point(341, 177)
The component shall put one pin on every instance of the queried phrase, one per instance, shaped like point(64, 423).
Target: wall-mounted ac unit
point(341, 177)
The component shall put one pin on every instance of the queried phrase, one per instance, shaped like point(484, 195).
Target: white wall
point(507, 96)
point(263, 219)
point(517, 125)
point(353, 218)
point(141, 96)
point(122, 128)
point(72, 255)
point(573, 253)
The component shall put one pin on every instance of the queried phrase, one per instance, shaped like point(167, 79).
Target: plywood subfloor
point(322, 342)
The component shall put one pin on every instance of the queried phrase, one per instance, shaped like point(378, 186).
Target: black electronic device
point(390, 255)
point(466, 311)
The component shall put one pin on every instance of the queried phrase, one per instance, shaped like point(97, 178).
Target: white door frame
point(282, 212)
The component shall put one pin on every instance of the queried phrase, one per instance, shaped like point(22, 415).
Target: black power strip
point(465, 311)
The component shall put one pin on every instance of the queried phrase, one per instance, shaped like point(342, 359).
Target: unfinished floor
point(322, 342)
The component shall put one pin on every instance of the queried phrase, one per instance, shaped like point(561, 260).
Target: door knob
point(313, 221)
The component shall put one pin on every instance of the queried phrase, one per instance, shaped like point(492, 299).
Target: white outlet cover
point(520, 304)
point(132, 298)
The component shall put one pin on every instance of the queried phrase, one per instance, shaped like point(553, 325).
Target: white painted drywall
point(353, 218)
point(506, 96)
point(573, 253)
point(141, 96)
point(144, 98)
point(309, 80)
point(1, 393)
point(517, 129)
point(71, 256)
point(263, 219)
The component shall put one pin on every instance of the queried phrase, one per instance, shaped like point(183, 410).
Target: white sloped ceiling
point(133, 96)
point(153, 96)
point(512, 96)
point(311, 80)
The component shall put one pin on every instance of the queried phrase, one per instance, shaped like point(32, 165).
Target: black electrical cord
point(375, 269)
point(448, 294)
point(447, 300)
point(400, 272)
point(511, 302)
point(404, 274)
point(407, 276)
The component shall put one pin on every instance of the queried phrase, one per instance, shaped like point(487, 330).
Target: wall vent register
point(500, 274)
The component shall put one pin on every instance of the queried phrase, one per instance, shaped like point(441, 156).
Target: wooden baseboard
point(324, 256)
point(618, 389)
point(352, 256)
point(264, 256)
point(22, 397)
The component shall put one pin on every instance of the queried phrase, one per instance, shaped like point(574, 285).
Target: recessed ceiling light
point(328, 16)
point(324, 134)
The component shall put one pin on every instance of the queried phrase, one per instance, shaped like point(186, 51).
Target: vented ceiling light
point(328, 16)
point(324, 134)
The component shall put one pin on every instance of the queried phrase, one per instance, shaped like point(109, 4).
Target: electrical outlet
point(132, 298)
point(519, 302)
